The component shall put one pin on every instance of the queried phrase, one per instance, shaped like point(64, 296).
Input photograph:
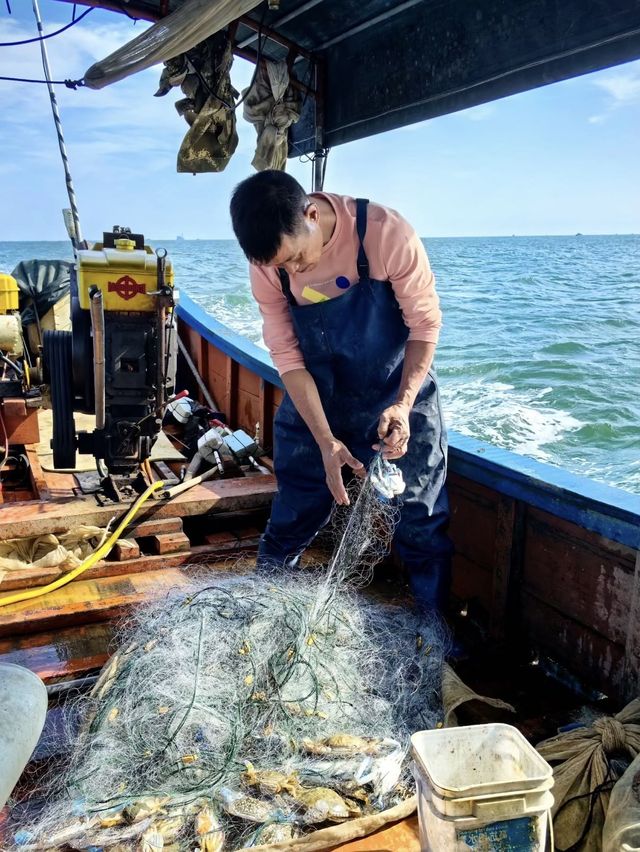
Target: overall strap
point(361, 228)
point(286, 286)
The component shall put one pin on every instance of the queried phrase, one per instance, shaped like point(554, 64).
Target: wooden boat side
point(543, 557)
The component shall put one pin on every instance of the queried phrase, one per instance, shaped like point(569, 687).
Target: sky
point(557, 160)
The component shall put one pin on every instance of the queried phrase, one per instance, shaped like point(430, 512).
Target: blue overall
point(353, 346)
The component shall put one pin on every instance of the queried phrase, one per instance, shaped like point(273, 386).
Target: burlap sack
point(584, 776)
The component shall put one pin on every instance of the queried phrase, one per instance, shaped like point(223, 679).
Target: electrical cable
point(48, 35)
point(13, 365)
point(213, 94)
point(90, 561)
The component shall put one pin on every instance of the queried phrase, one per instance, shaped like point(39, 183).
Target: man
point(351, 319)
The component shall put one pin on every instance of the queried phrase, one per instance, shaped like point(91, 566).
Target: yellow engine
point(10, 326)
point(119, 359)
point(125, 271)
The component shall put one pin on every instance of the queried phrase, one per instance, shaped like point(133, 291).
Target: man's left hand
point(393, 431)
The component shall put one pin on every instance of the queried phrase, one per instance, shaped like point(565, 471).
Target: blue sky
point(557, 160)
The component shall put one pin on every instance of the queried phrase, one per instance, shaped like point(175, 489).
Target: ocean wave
point(500, 414)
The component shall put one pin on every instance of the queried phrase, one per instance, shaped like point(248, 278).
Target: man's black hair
point(264, 208)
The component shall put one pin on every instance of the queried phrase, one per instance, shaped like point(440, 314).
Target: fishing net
point(255, 708)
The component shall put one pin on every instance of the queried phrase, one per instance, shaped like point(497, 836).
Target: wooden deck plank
point(403, 836)
point(27, 578)
point(88, 600)
point(36, 474)
point(174, 542)
point(208, 554)
point(37, 518)
point(60, 654)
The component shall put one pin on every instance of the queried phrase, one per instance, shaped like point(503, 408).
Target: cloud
point(123, 119)
point(622, 89)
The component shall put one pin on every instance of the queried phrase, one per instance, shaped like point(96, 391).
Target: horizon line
point(431, 237)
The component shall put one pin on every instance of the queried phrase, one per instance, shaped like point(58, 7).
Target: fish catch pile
point(251, 710)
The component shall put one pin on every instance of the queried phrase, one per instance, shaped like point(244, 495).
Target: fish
point(113, 836)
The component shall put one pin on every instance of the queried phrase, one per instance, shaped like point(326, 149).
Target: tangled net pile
point(252, 710)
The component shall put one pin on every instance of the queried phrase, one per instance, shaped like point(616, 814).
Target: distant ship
point(179, 237)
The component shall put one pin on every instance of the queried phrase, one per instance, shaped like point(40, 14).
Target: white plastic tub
point(481, 787)
point(23, 707)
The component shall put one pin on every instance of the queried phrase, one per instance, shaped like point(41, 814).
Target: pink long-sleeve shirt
point(395, 254)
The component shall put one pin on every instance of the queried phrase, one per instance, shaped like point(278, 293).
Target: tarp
point(193, 22)
point(42, 283)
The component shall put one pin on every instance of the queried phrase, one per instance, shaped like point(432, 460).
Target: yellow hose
point(98, 554)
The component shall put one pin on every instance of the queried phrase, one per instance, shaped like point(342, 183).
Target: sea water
point(540, 348)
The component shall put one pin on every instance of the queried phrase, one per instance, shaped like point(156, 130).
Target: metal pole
point(320, 153)
point(78, 243)
point(96, 310)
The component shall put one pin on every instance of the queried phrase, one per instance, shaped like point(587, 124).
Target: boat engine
point(119, 359)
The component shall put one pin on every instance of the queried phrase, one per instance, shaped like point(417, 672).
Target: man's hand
point(334, 456)
point(393, 431)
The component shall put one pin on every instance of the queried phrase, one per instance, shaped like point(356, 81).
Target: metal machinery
point(20, 394)
point(119, 359)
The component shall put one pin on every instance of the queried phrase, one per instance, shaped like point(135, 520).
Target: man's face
point(300, 252)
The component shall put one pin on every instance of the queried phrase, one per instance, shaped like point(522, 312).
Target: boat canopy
point(368, 67)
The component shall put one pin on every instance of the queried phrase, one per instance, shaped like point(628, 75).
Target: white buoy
point(23, 708)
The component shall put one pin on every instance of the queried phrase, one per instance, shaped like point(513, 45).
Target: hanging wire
point(234, 107)
point(76, 238)
point(48, 35)
point(70, 84)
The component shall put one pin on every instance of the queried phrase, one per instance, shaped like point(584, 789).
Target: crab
point(209, 831)
point(145, 807)
point(269, 782)
point(246, 807)
point(322, 804)
point(345, 745)
point(276, 832)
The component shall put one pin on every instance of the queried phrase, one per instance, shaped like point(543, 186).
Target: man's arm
point(303, 391)
point(407, 267)
point(280, 337)
point(393, 426)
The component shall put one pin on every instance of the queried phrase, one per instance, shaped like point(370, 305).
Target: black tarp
point(42, 283)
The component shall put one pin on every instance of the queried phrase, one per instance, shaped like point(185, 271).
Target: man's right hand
point(334, 456)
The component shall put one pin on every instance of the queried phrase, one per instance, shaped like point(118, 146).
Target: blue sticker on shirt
point(343, 282)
